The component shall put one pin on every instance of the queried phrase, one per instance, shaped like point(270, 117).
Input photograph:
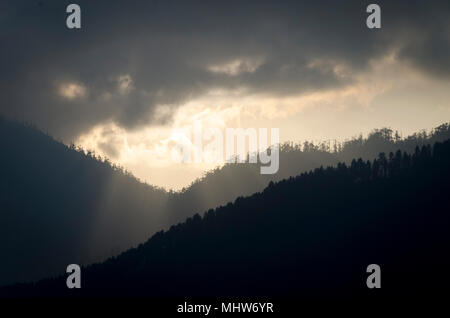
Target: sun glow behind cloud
point(72, 91)
point(146, 152)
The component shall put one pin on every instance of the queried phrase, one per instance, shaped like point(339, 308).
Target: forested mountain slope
point(312, 236)
point(61, 205)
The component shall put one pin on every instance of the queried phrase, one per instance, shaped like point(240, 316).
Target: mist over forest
point(61, 204)
point(307, 236)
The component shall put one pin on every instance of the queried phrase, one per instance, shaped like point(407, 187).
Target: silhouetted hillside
point(312, 236)
point(225, 184)
point(60, 205)
point(230, 181)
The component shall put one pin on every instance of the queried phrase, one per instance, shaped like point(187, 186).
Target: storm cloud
point(130, 58)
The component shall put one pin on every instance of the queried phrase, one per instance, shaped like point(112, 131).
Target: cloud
point(237, 67)
point(134, 63)
point(72, 91)
point(125, 84)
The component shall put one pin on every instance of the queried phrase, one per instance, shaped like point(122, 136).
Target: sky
point(138, 71)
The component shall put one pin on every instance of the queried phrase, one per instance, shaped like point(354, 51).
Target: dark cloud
point(166, 47)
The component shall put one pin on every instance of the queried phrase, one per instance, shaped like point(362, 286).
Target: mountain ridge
point(312, 236)
point(61, 205)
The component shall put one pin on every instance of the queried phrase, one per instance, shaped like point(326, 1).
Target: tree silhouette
point(307, 236)
point(65, 204)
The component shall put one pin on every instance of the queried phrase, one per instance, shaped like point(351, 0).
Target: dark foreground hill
point(312, 236)
point(62, 205)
